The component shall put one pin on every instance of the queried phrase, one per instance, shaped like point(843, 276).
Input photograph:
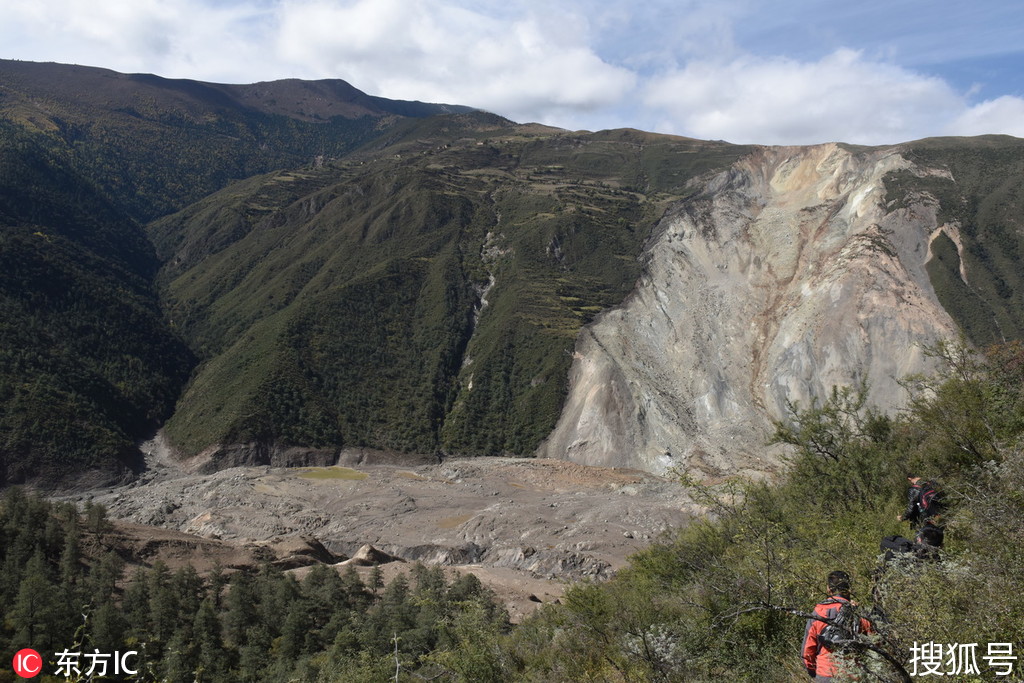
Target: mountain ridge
point(96, 87)
point(155, 145)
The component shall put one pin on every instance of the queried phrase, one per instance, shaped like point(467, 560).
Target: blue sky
point(772, 72)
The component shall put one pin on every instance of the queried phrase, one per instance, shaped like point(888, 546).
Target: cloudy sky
point(767, 71)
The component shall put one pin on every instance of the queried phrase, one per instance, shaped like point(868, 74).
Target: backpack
point(929, 503)
point(895, 546)
point(841, 630)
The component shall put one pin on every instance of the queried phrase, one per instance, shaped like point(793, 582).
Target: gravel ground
point(526, 527)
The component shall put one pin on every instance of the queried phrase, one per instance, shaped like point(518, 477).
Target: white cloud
point(1001, 115)
point(183, 39)
point(784, 101)
point(524, 67)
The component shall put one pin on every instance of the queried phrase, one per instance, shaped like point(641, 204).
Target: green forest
point(725, 598)
point(63, 587)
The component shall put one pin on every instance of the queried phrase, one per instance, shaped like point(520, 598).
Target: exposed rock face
point(253, 454)
point(291, 552)
point(785, 276)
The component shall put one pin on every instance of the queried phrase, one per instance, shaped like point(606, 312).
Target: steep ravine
point(784, 276)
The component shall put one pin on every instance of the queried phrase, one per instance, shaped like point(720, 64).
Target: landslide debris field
point(525, 527)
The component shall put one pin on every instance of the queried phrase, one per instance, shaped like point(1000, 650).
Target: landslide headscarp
point(786, 275)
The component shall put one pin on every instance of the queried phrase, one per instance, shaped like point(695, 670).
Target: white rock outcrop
point(784, 276)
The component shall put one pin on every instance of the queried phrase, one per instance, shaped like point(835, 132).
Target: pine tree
point(241, 613)
point(217, 580)
point(254, 657)
point(101, 582)
point(211, 658)
point(37, 615)
point(136, 607)
point(109, 629)
point(293, 632)
point(163, 608)
point(376, 578)
point(356, 595)
point(178, 658)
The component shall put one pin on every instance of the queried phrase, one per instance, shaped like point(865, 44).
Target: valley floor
point(525, 527)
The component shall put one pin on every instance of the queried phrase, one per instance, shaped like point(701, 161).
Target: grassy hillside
point(344, 305)
point(984, 195)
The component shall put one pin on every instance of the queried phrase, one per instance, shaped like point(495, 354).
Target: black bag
point(841, 631)
point(896, 544)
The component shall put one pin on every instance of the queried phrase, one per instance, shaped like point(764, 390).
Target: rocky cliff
point(788, 274)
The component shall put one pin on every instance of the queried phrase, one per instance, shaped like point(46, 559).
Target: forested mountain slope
point(156, 144)
point(982, 194)
point(345, 306)
point(88, 365)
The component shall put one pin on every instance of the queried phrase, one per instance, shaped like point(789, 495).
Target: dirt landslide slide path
point(525, 527)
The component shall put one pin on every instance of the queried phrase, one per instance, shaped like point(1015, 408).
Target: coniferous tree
point(217, 581)
point(188, 590)
point(290, 644)
point(241, 613)
point(109, 630)
point(163, 607)
point(211, 659)
point(323, 600)
point(101, 583)
point(37, 614)
point(135, 606)
point(254, 657)
point(393, 614)
point(376, 578)
point(178, 658)
point(356, 595)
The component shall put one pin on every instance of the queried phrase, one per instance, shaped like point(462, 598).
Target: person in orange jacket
point(818, 659)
